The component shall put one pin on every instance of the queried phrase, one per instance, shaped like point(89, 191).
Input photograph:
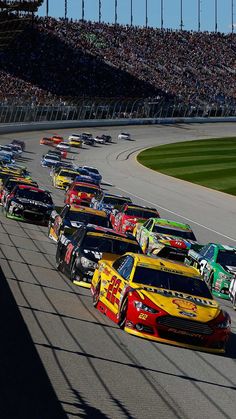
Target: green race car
point(149, 233)
point(217, 264)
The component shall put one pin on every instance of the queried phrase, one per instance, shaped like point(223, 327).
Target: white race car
point(63, 146)
point(124, 136)
point(99, 140)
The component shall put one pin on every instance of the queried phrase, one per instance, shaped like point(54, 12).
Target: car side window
point(203, 250)
point(146, 224)
point(209, 253)
point(126, 267)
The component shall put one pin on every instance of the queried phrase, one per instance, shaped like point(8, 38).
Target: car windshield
point(109, 245)
point(114, 200)
point(85, 189)
point(68, 174)
point(88, 218)
point(90, 169)
point(185, 234)
point(226, 257)
point(171, 281)
point(34, 195)
point(52, 157)
point(140, 213)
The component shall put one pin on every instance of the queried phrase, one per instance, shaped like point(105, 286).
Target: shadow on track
point(26, 391)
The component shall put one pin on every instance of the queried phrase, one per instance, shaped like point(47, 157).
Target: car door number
point(112, 290)
point(202, 265)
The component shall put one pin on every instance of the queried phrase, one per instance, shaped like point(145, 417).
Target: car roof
point(90, 185)
point(80, 208)
point(221, 246)
point(164, 265)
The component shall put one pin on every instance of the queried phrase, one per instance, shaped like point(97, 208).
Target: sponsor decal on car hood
point(177, 304)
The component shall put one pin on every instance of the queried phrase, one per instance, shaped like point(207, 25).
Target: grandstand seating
point(61, 60)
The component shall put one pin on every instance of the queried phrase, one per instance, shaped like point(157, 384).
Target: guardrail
point(41, 126)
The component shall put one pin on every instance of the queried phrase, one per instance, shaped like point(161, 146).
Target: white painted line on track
point(178, 215)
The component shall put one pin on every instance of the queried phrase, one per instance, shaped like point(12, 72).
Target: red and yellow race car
point(125, 220)
point(160, 300)
point(81, 193)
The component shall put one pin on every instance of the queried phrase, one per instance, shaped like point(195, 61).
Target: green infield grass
point(210, 163)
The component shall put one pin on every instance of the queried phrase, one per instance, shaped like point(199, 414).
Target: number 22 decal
point(112, 290)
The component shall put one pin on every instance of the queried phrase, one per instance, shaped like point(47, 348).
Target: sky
point(171, 12)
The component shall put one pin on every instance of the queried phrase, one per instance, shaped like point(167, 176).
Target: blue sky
point(171, 12)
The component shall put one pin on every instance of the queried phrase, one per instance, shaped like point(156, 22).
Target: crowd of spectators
point(60, 60)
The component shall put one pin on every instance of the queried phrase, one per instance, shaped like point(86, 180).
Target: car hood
point(25, 201)
point(182, 305)
point(96, 256)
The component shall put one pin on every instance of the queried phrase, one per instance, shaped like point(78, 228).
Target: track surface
point(82, 362)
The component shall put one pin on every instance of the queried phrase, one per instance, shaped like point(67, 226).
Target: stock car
point(81, 193)
point(49, 160)
point(87, 138)
point(60, 153)
point(19, 143)
point(94, 173)
point(217, 263)
point(149, 233)
point(47, 141)
point(125, 220)
point(63, 146)
point(124, 136)
point(71, 217)
point(75, 140)
point(9, 185)
point(64, 178)
point(79, 254)
point(160, 300)
point(28, 203)
point(57, 139)
point(107, 202)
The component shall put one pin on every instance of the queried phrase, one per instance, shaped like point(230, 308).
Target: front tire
point(234, 302)
point(123, 313)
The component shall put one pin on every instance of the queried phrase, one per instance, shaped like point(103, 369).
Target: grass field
point(210, 163)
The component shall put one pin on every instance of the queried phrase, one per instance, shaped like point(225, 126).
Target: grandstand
point(72, 60)
point(13, 16)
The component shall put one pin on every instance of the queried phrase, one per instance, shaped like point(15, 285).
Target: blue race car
point(107, 202)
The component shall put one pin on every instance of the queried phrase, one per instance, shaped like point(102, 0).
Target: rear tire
point(96, 294)
point(58, 263)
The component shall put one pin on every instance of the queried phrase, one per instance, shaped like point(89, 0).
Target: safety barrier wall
point(41, 126)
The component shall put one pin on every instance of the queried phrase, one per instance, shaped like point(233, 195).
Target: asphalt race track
point(60, 357)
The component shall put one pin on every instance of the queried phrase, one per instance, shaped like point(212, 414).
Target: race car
point(64, 178)
point(129, 215)
point(63, 146)
point(19, 143)
point(217, 263)
point(57, 139)
point(107, 138)
point(160, 300)
point(124, 136)
point(47, 141)
point(87, 138)
point(9, 185)
point(71, 217)
point(49, 160)
point(99, 140)
point(77, 255)
point(81, 193)
point(28, 203)
point(149, 233)
point(75, 140)
point(107, 202)
point(94, 173)
point(59, 165)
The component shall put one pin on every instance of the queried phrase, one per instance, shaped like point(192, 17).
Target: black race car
point(77, 255)
point(70, 218)
point(28, 203)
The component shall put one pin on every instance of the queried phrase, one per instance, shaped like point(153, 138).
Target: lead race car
point(160, 300)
